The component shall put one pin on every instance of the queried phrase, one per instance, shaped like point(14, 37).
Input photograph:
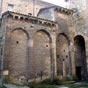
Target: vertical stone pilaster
point(28, 57)
point(51, 64)
point(1, 67)
point(53, 57)
point(27, 61)
point(70, 61)
point(2, 46)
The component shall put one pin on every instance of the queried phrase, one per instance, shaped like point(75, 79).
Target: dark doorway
point(80, 58)
point(78, 73)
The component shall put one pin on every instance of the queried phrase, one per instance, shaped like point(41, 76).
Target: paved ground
point(74, 85)
point(63, 87)
point(14, 86)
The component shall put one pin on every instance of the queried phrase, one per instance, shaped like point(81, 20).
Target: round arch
point(18, 53)
point(46, 32)
point(23, 31)
point(80, 57)
point(65, 37)
point(41, 47)
point(62, 55)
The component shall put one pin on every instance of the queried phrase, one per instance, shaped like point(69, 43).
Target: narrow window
point(10, 7)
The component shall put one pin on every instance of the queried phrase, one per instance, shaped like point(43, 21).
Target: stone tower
point(79, 4)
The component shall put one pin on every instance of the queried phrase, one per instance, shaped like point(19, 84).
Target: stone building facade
point(30, 7)
point(53, 44)
point(30, 47)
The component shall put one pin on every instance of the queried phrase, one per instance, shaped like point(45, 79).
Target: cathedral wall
point(24, 6)
point(55, 39)
point(27, 55)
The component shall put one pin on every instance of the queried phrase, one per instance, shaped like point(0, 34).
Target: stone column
point(2, 46)
point(1, 65)
point(27, 61)
point(70, 61)
point(53, 57)
point(29, 48)
point(72, 52)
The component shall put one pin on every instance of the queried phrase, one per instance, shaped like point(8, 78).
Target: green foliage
point(70, 85)
point(3, 87)
point(45, 86)
point(6, 79)
point(78, 85)
point(56, 81)
point(46, 82)
point(75, 78)
point(32, 84)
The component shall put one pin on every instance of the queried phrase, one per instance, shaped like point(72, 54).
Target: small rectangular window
point(10, 7)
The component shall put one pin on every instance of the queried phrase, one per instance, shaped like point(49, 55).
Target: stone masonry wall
point(46, 42)
point(62, 55)
point(27, 55)
point(24, 6)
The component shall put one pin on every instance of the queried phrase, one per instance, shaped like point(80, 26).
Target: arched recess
point(80, 58)
point(41, 68)
point(62, 55)
point(18, 54)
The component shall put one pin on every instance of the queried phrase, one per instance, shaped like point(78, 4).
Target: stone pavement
point(14, 86)
point(63, 87)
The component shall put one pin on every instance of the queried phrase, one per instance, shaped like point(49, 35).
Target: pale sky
point(58, 2)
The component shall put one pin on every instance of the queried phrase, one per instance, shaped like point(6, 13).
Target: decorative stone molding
point(27, 18)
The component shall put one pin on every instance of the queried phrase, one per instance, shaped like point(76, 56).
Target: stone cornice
point(64, 10)
point(30, 19)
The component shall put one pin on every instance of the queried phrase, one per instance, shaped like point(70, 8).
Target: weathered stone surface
point(30, 7)
point(36, 48)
